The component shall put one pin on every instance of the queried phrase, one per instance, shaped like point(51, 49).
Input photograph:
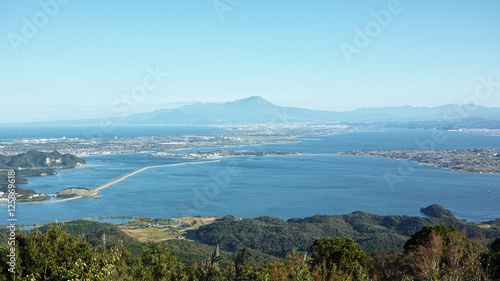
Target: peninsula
point(474, 160)
point(32, 163)
point(228, 136)
point(221, 153)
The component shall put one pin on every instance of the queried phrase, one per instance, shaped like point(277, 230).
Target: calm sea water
point(316, 182)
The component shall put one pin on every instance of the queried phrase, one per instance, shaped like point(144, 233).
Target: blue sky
point(85, 58)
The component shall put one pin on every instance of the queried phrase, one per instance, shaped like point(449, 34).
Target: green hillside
point(372, 232)
point(37, 159)
point(75, 252)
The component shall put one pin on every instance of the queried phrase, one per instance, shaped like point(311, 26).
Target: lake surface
point(316, 182)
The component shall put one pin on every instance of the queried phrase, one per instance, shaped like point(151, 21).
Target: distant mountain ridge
point(252, 110)
point(257, 110)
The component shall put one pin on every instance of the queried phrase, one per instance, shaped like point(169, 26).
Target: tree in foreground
point(437, 253)
point(293, 267)
point(495, 258)
point(57, 255)
point(156, 263)
point(434, 253)
point(340, 257)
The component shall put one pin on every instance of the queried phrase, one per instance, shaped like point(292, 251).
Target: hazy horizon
point(179, 105)
point(68, 60)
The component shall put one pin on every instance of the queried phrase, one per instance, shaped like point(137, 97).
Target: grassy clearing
point(157, 230)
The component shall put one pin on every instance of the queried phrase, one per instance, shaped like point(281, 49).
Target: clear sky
point(73, 59)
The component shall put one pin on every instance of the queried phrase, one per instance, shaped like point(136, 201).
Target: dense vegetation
point(433, 253)
point(437, 211)
point(82, 227)
point(36, 163)
point(5, 188)
point(33, 163)
point(316, 248)
point(35, 158)
point(372, 232)
point(27, 193)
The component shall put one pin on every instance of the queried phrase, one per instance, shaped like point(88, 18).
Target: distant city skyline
point(62, 60)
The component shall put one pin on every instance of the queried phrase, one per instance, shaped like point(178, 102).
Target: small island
point(474, 160)
point(437, 211)
point(76, 191)
point(214, 154)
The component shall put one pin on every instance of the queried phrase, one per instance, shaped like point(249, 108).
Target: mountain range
point(257, 110)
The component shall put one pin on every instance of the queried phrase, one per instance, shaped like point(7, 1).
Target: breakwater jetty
point(102, 186)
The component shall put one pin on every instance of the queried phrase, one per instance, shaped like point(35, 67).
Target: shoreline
point(65, 221)
point(200, 147)
point(483, 224)
point(112, 182)
point(74, 169)
point(418, 163)
point(45, 201)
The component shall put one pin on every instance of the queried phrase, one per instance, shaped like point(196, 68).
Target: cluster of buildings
point(238, 135)
point(480, 160)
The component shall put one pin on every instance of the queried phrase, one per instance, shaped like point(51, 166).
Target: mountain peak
point(257, 110)
point(252, 100)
